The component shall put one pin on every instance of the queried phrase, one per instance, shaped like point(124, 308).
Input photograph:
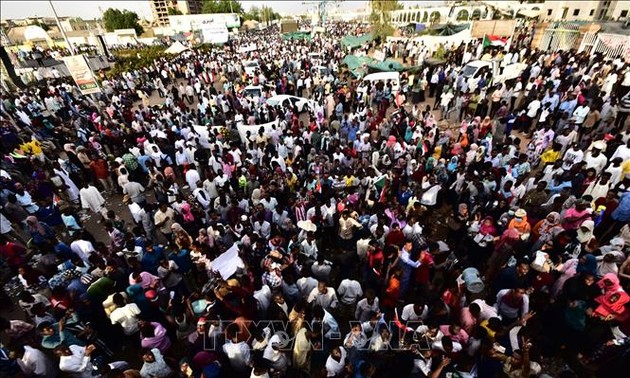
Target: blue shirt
point(182, 259)
point(142, 160)
point(622, 212)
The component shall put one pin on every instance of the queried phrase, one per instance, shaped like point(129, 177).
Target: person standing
point(33, 362)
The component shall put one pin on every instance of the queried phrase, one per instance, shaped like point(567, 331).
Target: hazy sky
point(90, 9)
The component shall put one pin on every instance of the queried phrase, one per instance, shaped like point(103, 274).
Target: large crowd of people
point(443, 227)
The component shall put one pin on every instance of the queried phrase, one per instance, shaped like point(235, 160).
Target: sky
point(93, 9)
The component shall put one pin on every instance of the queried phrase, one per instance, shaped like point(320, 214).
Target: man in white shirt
point(125, 315)
point(367, 306)
point(324, 296)
point(414, 312)
point(237, 352)
point(336, 362)
point(532, 112)
point(308, 247)
point(595, 159)
point(580, 113)
point(350, 291)
point(75, 360)
point(33, 362)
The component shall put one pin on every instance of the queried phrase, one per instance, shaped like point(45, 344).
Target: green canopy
point(298, 35)
point(389, 65)
point(355, 64)
point(448, 29)
point(359, 65)
point(352, 41)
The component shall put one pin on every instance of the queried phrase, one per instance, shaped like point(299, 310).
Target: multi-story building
point(160, 9)
point(584, 10)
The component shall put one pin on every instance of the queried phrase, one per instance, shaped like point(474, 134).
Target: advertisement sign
point(81, 73)
point(190, 22)
point(217, 34)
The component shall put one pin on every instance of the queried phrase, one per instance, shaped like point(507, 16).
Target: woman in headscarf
point(182, 238)
point(503, 250)
point(40, 232)
point(587, 264)
point(484, 238)
point(520, 223)
point(545, 228)
point(612, 303)
point(457, 149)
point(485, 127)
point(458, 224)
point(154, 365)
point(470, 155)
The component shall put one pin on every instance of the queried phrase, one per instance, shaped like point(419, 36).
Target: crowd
point(456, 227)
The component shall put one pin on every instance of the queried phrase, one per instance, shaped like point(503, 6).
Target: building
point(585, 10)
point(160, 9)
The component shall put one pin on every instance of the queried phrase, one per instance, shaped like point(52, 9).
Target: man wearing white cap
point(594, 158)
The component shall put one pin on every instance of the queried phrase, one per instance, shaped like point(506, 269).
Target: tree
point(252, 14)
point(174, 12)
point(116, 19)
point(222, 6)
point(381, 16)
point(267, 14)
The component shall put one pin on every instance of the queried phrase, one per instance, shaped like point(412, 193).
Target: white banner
point(81, 73)
point(203, 134)
point(253, 130)
point(228, 262)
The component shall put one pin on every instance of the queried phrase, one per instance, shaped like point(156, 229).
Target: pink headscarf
point(391, 141)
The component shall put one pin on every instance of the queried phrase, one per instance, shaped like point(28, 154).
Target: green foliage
point(116, 19)
point(134, 59)
point(264, 14)
point(440, 53)
point(41, 25)
point(381, 17)
point(174, 12)
point(221, 6)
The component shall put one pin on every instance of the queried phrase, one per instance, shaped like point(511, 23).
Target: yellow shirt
point(32, 147)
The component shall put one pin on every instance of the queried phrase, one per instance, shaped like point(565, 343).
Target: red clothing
point(392, 293)
point(395, 237)
point(100, 168)
point(12, 254)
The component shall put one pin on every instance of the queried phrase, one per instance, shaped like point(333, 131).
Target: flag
point(494, 41)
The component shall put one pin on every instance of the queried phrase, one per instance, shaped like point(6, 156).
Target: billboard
point(215, 33)
point(190, 22)
point(81, 73)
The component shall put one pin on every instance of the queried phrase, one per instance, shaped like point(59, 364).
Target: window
point(549, 11)
point(592, 12)
point(576, 12)
point(565, 11)
point(623, 14)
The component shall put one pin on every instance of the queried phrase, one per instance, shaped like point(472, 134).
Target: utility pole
point(63, 32)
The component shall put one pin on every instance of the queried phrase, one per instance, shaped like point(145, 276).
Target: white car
point(253, 91)
point(302, 104)
point(251, 67)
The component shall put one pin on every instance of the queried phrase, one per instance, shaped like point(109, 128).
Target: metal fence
point(612, 45)
point(560, 36)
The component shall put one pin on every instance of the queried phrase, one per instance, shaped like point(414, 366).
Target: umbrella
point(307, 225)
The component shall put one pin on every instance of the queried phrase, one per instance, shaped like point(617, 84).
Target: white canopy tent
point(176, 48)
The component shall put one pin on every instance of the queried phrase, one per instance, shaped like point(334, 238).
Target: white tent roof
point(176, 48)
point(530, 13)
